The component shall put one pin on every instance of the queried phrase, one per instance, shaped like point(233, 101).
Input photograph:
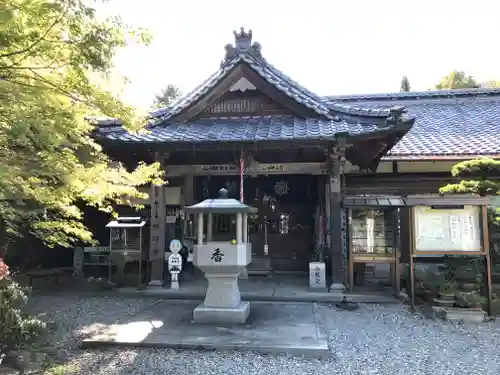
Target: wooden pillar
point(188, 191)
point(239, 228)
point(210, 224)
point(245, 227)
point(404, 234)
point(335, 190)
point(157, 224)
point(157, 237)
point(199, 230)
point(187, 200)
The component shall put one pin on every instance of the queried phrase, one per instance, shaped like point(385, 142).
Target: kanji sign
point(175, 263)
point(217, 256)
point(317, 275)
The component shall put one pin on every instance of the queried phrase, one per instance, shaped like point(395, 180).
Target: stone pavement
point(276, 289)
point(295, 329)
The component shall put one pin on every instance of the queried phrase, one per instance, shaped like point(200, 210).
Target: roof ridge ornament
point(242, 44)
point(243, 40)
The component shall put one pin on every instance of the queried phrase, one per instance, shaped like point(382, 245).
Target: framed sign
point(454, 225)
point(447, 230)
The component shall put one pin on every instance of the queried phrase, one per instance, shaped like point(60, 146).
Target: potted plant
point(430, 284)
point(317, 270)
point(470, 310)
point(471, 300)
point(446, 294)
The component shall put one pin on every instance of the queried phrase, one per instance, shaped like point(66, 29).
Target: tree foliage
point(405, 84)
point(475, 177)
point(16, 328)
point(491, 84)
point(457, 80)
point(478, 177)
point(49, 52)
point(167, 96)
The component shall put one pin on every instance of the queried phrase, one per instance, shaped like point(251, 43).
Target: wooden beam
point(157, 231)
point(337, 159)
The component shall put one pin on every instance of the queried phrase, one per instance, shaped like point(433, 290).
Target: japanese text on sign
point(217, 256)
point(317, 275)
point(175, 263)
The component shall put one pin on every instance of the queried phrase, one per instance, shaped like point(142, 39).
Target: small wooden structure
point(449, 225)
point(125, 244)
point(373, 234)
point(48, 273)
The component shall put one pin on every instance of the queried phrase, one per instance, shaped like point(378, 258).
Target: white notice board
point(447, 230)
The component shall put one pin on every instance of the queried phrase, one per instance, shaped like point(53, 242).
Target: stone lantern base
point(222, 304)
point(218, 315)
point(222, 264)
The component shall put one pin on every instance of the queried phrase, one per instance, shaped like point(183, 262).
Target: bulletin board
point(447, 230)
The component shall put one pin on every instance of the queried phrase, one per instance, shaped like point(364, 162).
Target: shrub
point(16, 328)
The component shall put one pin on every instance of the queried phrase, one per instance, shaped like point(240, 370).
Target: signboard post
point(452, 225)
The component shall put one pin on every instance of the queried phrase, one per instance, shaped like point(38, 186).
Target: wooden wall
point(396, 183)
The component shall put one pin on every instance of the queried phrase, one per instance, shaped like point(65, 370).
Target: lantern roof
point(221, 205)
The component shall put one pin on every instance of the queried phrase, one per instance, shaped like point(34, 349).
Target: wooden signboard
point(456, 225)
point(447, 230)
point(253, 169)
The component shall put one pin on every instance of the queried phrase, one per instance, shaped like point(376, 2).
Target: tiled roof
point(399, 97)
point(448, 123)
point(334, 117)
point(238, 129)
point(294, 91)
point(247, 54)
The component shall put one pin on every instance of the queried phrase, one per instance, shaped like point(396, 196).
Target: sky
point(332, 47)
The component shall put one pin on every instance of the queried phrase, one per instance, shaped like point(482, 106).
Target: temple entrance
point(282, 233)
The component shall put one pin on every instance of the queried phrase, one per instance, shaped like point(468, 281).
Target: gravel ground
point(391, 340)
point(372, 340)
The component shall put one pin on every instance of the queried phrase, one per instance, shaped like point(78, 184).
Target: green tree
point(491, 84)
point(478, 177)
point(167, 96)
point(457, 80)
point(405, 84)
point(475, 177)
point(50, 165)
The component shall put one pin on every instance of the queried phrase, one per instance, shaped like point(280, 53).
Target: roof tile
point(237, 129)
point(455, 122)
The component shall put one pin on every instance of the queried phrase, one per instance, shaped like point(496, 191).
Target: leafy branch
point(51, 168)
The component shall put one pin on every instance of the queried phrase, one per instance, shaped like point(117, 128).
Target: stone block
point(244, 274)
point(464, 315)
point(225, 316)
point(337, 287)
point(222, 291)
point(317, 275)
point(217, 255)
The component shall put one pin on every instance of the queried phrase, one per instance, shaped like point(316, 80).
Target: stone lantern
point(221, 261)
